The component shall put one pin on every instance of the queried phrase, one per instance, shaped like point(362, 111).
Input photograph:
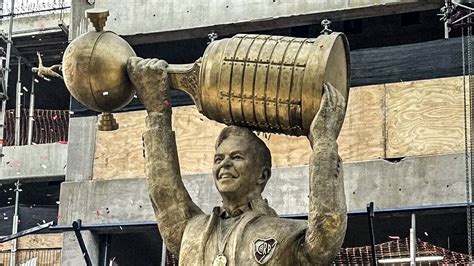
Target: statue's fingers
point(150, 62)
point(162, 64)
point(337, 96)
point(325, 96)
point(159, 65)
point(331, 95)
point(340, 99)
point(132, 64)
point(133, 60)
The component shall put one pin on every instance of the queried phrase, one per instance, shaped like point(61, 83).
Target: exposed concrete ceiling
point(51, 44)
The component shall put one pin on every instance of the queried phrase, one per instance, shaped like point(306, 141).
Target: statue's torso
point(277, 239)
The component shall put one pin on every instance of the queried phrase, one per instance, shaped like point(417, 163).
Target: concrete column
point(78, 21)
point(71, 253)
point(80, 159)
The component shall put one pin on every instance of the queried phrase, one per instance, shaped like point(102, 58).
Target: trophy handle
point(185, 77)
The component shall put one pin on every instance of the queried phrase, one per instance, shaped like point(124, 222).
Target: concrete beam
point(157, 21)
point(411, 182)
point(35, 24)
point(35, 162)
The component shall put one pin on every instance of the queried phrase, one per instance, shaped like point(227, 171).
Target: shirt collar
point(224, 214)
point(257, 204)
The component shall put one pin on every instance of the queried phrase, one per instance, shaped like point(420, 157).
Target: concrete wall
point(411, 182)
point(45, 161)
point(31, 24)
point(199, 17)
point(80, 158)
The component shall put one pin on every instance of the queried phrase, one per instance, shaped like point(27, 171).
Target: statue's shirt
point(256, 238)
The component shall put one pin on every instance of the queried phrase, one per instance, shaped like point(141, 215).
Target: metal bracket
point(370, 216)
point(212, 37)
point(64, 28)
point(326, 23)
point(454, 15)
point(25, 232)
point(76, 226)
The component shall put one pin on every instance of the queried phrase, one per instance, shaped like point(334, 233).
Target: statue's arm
point(171, 201)
point(327, 217)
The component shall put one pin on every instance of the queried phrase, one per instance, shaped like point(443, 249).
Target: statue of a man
point(244, 230)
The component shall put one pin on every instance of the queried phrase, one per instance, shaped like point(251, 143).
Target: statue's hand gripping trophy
point(286, 85)
point(150, 80)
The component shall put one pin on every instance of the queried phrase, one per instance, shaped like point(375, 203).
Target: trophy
point(267, 83)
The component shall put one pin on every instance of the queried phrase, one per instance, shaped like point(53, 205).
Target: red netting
point(393, 249)
point(399, 249)
point(49, 126)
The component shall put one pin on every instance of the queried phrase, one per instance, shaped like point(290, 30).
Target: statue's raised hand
point(328, 121)
point(150, 79)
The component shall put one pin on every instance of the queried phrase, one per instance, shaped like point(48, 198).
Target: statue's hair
point(263, 151)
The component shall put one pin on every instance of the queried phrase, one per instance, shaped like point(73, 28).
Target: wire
point(466, 132)
point(469, 177)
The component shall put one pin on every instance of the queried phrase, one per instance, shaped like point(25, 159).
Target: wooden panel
point(37, 241)
point(425, 117)
point(363, 132)
point(119, 153)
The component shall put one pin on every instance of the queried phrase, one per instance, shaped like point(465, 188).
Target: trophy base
point(107, 122)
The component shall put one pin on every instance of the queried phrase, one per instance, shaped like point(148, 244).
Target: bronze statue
point(245, 230)
point(45, 72)
point(263, 82)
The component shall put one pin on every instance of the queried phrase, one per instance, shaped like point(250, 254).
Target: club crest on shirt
point(264, 249)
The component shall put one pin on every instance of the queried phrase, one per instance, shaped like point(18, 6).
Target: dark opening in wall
point(353, 26)
point(408, 19)
point(301, 31)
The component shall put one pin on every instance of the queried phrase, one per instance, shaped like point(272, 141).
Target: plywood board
point(425, 117)
point(363, 132)
point(37, 241)
point(119, 153)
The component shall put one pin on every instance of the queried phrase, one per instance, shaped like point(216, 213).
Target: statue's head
point(242, 163)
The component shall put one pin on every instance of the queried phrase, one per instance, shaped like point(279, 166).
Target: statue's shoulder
point(286, 228)
point(199, 220)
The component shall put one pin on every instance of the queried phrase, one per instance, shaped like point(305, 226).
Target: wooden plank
point(425, 117)
point(119, 153)
point(37, 241)
point(363, 133)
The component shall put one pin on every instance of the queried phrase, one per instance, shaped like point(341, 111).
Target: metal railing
point(43, 256)
point(49, 126)
point(35, 7)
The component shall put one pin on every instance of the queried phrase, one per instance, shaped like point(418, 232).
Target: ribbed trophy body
point(271, 83)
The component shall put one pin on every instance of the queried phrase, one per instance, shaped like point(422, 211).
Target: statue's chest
point(246, 241)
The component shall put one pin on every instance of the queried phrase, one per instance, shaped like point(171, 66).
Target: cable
point(466, 138)
point(471, 132)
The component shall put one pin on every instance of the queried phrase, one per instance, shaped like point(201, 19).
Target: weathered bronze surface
point(46, 72)
point(245, 230)
point(276, 84)
point(271, 83)
point(268, 83)
point(95, 67)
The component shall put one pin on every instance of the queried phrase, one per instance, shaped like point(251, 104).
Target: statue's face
point(236, 167)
